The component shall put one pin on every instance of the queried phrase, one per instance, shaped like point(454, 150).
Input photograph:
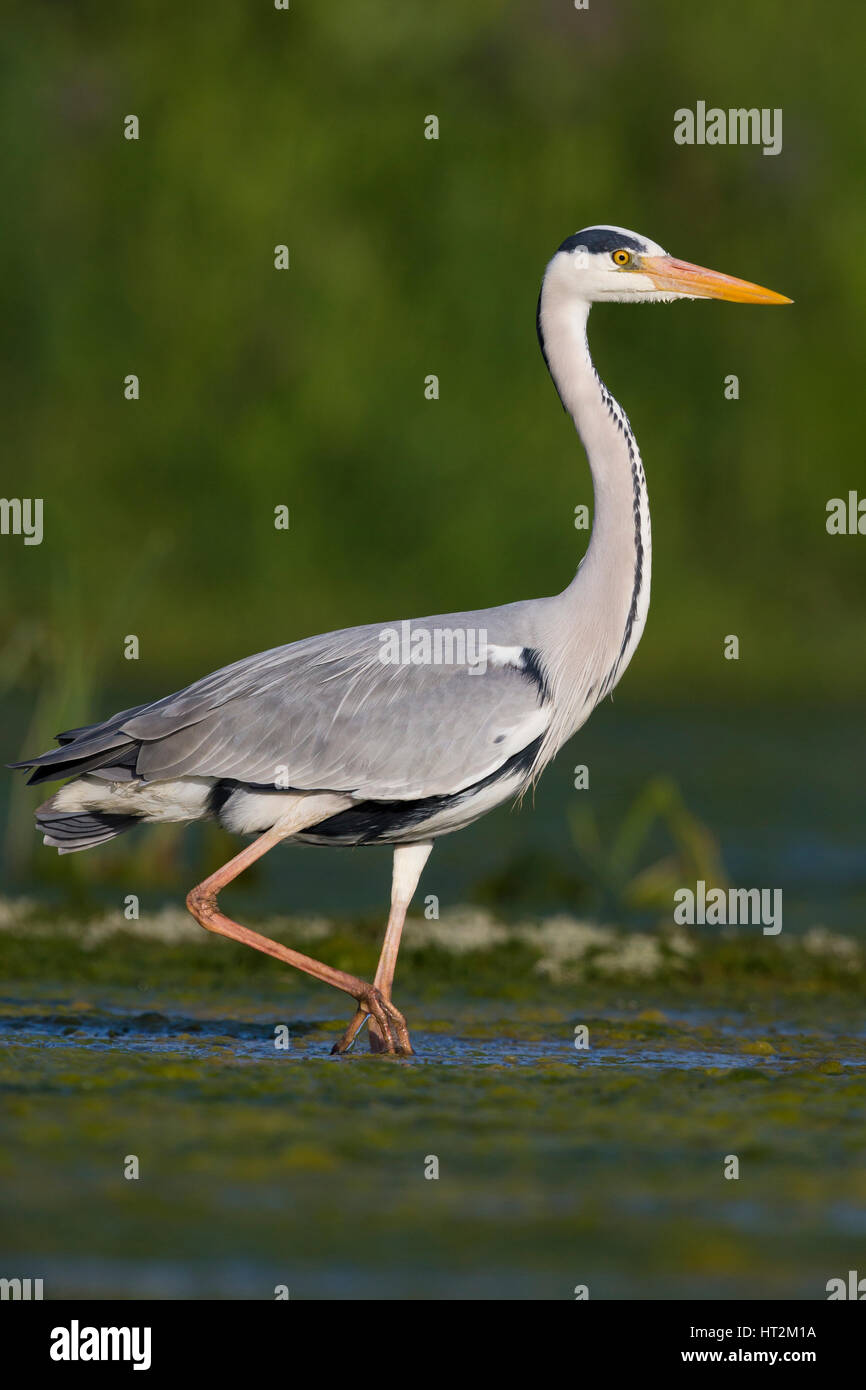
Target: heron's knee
point(201, 902)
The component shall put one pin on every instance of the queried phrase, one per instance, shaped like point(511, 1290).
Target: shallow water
point(177, 1037)
point(259, 1167)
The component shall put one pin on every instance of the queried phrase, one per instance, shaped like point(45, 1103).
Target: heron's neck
point(607, 601)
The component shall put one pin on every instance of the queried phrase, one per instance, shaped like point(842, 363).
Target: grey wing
point(329, 713)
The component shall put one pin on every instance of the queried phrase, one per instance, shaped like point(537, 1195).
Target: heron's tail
point(68, 831)
point(83, 750)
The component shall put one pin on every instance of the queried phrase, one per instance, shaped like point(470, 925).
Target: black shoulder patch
point(533, 669)
point(598, 239)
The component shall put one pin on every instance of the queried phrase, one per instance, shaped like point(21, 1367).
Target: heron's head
point(610, 263)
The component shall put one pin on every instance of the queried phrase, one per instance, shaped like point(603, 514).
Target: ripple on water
point(152, 1033)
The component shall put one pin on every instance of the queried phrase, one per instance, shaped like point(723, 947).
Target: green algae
point(556, 1165)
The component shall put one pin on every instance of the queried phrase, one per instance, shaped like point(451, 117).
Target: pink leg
point(202, 903)
point(409, 860)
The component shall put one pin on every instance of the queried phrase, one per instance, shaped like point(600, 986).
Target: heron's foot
point(379, 1044)
point(388, 1031)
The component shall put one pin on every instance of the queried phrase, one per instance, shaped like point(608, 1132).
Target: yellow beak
point(681, 277)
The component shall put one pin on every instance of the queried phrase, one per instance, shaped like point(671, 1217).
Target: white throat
point(606, 603)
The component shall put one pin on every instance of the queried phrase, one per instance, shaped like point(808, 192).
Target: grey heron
point(399, 733)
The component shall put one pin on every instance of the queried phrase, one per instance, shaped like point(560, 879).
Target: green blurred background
point(306, 388)
point(408, 257)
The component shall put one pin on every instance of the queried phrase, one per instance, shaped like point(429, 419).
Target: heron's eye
point(621, 257)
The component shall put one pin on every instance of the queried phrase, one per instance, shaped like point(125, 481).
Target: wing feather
point(327, 713)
